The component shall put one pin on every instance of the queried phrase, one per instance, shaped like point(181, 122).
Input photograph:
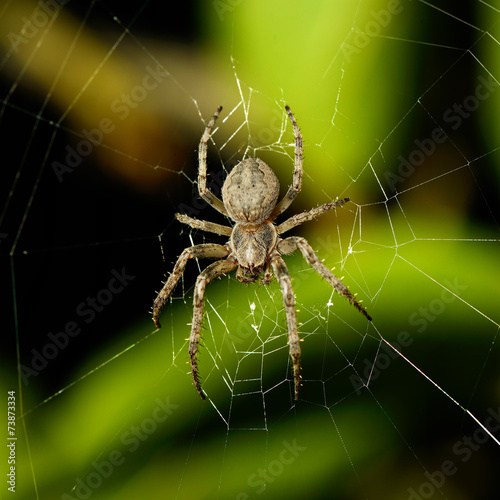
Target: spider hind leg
point(292, 243)
point(205, 277)
point(281, 271)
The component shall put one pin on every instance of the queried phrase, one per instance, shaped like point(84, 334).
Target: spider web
point(102, 109)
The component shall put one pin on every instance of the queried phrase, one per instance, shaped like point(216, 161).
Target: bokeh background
point(103, 106)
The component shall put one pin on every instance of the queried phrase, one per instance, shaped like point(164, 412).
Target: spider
point(250, 199)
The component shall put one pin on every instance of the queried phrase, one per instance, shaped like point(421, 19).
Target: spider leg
point(292, 243)
point(205, 193)
point(294, 188)
point(204, 225)
point(298, 219)
point(281, 271)
point(206, 276)
point(206, 250)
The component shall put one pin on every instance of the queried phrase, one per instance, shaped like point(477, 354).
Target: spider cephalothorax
point(250, 199)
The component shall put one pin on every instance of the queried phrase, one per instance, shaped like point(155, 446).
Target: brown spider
point(250, 193)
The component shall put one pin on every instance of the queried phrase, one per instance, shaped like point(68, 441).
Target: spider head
point(250, 192)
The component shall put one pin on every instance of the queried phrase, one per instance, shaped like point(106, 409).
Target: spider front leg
point(295, 187)
point(292, 243)
point(281, 271)
point(206, 276)
point(204, 191)
point(206, 250)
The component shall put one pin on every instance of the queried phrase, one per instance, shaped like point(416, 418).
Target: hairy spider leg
point(295, 187)
point(204, 191)
point(296, 220)
point(210, 227)
point(292, 243)
point(206, 276)
point(281, 271)
point(206, 250)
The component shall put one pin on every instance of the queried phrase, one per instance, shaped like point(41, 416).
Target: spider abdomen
point(250, 191)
